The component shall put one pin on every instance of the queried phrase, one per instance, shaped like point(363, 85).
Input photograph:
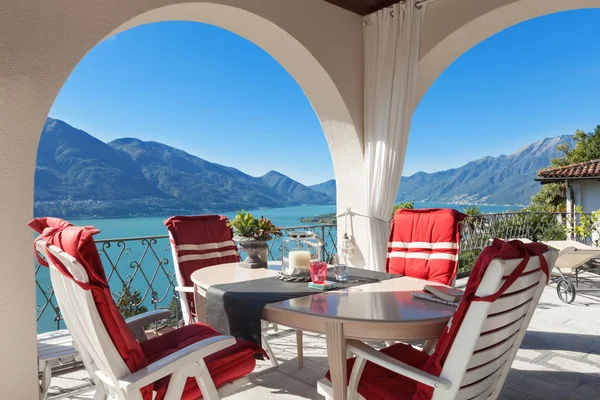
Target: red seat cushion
point(206, 241)
point(225, 366)
point(378, 383)
point(424, 244)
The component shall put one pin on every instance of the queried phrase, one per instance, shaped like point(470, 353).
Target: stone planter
point(256, 249)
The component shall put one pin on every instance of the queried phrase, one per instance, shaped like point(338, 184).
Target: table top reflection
point(386, 301)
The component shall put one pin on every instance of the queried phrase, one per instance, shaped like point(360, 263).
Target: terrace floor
point(559, 358)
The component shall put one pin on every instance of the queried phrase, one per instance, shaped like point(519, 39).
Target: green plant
point(244, 224)
point(585, 227)
point(408, 205)
point(473, 211)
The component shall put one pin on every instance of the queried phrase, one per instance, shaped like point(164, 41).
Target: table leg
point(336, 356)
point(200, 304)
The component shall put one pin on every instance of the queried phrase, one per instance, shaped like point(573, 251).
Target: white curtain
point(392, 37)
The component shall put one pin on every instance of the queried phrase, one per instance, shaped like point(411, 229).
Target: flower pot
point(256, 249)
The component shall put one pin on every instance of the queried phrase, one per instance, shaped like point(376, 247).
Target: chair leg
point(45, 382)
point(207, 386)
point(299, 348)
point(176, 386)
point(100, 393)
point(267, 347)
point(357, 370)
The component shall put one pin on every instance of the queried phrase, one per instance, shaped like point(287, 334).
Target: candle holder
point(298, 250)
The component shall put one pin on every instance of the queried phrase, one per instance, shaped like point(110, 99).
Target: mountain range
point(79, 176)
point(502, 180)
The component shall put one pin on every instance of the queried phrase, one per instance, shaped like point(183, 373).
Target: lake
point(148, 257)
point(288, 216)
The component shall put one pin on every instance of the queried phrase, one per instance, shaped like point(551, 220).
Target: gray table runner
point(236, 308)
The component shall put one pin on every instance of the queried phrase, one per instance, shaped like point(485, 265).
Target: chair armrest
point(367, 352)
point(175, 362)
point(143, 319)
point(185, 289)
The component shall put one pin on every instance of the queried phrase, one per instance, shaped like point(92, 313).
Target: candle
point(299, 259)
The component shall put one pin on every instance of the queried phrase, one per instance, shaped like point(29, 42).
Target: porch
point(560, 353)
point(559, 358)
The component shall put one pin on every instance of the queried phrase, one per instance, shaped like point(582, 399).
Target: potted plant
point(252, 235)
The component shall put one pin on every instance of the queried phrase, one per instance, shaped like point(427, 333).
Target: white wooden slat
point(486, 355)
point(510, 265)
point(497, 321)
point(513, 300)
point(474, 390)
point(491, 338)
point(485, 394)
point(483, 371)
point(523, 282)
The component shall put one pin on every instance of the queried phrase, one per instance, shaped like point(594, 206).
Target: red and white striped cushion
point(201, 241)
point(424, 244)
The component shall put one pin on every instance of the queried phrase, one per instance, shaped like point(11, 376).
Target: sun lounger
point(573, 257)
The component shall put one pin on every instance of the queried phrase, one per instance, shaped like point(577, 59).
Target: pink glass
point(318, 272)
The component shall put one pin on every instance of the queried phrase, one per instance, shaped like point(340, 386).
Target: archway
point(451, 30)
point(319, 44)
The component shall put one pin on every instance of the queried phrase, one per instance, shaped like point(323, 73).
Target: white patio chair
point(120, 366)
point(201, 241)
point(478, 358)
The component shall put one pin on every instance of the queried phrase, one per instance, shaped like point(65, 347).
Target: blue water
point(288, 216)
point(153, 226)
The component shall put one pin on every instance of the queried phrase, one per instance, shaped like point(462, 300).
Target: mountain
point(294, 191)
point(79, 176)
point(327, 187)
point(506, 180)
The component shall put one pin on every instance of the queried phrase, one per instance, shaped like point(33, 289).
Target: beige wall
point(319, 44)
point(42, 41)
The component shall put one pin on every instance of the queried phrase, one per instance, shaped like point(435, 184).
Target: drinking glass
point(341, 272)
point(318, 272)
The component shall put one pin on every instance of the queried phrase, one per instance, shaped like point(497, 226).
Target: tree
point(129, 302)
point(552, 197)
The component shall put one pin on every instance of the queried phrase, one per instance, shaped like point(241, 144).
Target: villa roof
point(362, 7)
point(584, 170)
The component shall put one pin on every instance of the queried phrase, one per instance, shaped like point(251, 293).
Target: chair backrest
point(424, 243)
point(491, 324)
point(198, 242)
point(107, 346)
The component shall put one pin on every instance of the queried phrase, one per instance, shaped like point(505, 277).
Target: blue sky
point(220, 97)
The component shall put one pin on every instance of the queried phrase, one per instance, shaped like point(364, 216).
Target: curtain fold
point(392, 38)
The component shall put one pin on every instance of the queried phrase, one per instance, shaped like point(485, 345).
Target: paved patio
point(559, 358)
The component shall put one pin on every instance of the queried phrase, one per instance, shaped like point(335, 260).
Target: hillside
point(327, 187)
point(294, 191)
point(503, 180)
point(79, 176)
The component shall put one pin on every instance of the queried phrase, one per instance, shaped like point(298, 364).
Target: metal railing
point(141, 275)
point(140, 269)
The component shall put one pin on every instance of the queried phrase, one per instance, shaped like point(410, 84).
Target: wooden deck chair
point(202, 241)
point(187, 363)
point(474, 354)
point(424, 244)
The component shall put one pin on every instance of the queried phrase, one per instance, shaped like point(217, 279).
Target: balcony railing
point(140, 270)
point(141, 274)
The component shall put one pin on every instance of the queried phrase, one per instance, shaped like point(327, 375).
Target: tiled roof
point(582, 170)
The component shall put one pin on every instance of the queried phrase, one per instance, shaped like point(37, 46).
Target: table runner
point(236, 308)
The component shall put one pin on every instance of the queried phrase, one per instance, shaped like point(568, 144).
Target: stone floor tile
point(572, 365)
point(275, 385)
